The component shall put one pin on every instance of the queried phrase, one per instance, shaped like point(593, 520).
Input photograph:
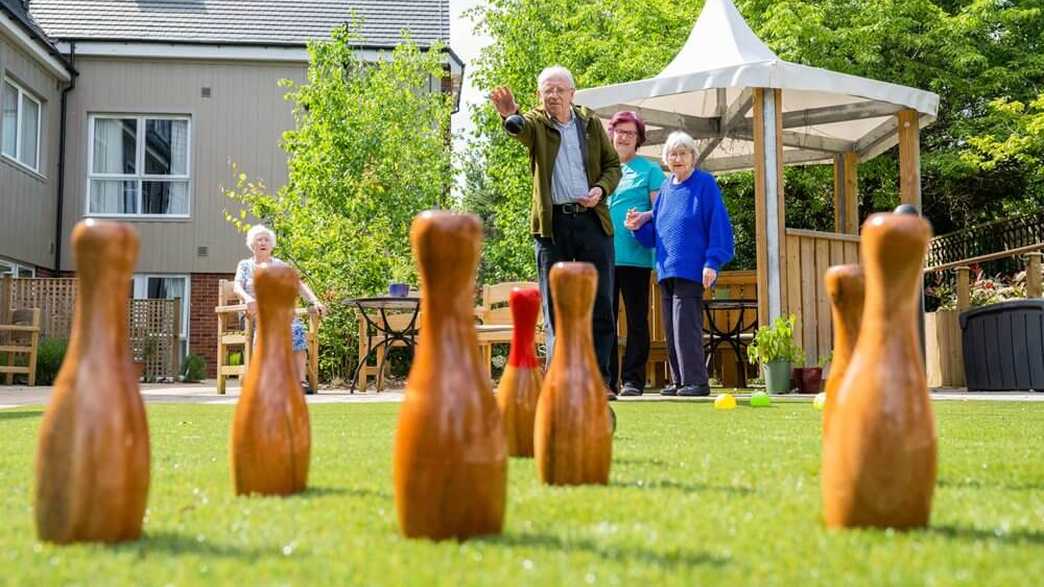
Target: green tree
point(368, 152)
point(971, 52)
point(1012, 139)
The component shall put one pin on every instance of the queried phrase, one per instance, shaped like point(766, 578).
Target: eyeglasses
point(625, 133)
point(555, 91)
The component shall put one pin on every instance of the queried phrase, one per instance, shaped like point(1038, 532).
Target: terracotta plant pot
point(808, 379)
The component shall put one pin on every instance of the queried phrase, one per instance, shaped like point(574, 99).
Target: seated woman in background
point(260, 240)
point(692, 235)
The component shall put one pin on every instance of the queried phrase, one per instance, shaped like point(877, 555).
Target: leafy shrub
point(193, 369)
point(776, 343)
point(49, 356)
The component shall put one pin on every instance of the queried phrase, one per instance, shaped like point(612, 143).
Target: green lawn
point(697, 497)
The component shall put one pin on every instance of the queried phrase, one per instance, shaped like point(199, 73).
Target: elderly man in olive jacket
point(574, 168)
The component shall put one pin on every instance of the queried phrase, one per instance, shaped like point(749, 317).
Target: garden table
point(735, 336)
point(375, 311)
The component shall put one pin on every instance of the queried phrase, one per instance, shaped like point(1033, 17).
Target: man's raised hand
point(503, 101)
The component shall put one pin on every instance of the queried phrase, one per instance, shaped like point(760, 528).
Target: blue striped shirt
point(568, 178)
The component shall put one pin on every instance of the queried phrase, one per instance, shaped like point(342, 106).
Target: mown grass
point(697, 497)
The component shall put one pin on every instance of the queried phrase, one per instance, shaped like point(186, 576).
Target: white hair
point(555, 72)
point(678, 140)
point(257, 230)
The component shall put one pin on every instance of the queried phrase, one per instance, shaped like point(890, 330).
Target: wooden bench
point(496, 323)
point(21, 337)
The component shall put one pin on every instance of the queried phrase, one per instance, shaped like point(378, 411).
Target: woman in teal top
point(637, 190)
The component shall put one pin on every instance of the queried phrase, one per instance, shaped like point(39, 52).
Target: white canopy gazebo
point(749, 109)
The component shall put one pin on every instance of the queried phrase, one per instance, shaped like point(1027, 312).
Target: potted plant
point(810, 379)
point(399, 286)
point(773, 346)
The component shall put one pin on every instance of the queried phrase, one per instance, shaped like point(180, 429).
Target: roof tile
point(276, 22)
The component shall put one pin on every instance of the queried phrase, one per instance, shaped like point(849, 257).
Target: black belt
point(570, 209)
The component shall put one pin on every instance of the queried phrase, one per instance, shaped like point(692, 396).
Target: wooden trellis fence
point(154, 326)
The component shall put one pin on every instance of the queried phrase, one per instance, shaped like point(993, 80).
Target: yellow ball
point(820, 401)
point(725, 401)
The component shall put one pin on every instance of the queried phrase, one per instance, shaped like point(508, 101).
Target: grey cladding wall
point(242, 120)
point(27, 198)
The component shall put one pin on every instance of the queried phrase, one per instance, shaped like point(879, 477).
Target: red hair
point(628, 116)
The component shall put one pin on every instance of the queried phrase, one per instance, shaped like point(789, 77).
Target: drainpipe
point(61, 162)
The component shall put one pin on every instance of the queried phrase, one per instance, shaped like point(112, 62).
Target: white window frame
point(140, 291)
point(23, 94)
point(16, 268)
point(139, 165)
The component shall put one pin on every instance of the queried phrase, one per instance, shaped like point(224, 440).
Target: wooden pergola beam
point(816, 142)
point(878, 140)
point(729, 117)
point(697, 126)
point(801, 140)
point(656, 136)
point(740, 162)
point(843, 113)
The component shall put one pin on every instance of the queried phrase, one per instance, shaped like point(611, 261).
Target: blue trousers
point(683, 325)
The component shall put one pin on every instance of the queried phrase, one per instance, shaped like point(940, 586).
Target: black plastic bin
point(1004, 346)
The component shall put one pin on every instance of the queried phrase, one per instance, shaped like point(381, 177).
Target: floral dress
point(245, 279)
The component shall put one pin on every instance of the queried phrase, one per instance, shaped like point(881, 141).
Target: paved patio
point(206, 393)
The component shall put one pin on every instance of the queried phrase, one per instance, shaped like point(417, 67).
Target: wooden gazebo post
point(909, 158)
point(910, 184)
point(770, 209)
point(846, 192)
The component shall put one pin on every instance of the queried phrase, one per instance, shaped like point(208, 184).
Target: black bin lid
point(1028, 305)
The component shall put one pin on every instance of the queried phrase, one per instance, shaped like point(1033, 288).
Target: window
point(139, 166)
point(16, 269)
point(20, 125)
point(165, 287)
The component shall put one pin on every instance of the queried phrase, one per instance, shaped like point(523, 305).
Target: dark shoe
point(307, 388)
point(670, 389)
point(611, 395)
point(694, 390)
point(630, 390)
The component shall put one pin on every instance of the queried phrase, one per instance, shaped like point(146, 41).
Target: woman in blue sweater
point(689, 228)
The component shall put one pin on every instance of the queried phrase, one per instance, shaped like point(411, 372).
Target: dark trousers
point(579, 237)
point(633, 283)
point(683, 325)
